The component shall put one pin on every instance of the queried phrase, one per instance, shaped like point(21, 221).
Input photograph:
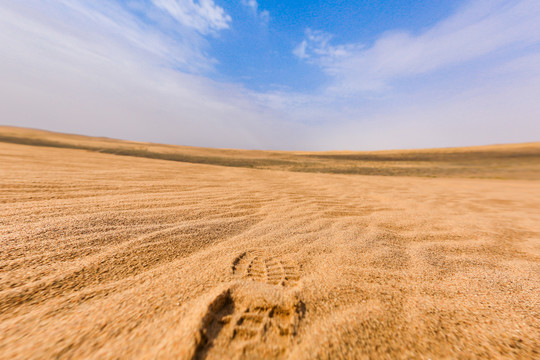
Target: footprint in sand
point(241, 325)
point(272, 270)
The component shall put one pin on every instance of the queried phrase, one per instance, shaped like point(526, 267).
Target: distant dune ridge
point(285, 255)
point(511, 161)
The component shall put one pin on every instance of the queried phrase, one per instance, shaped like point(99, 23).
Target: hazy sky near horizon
point(290, 75)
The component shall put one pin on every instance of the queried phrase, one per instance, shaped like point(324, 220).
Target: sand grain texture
point(107, 256)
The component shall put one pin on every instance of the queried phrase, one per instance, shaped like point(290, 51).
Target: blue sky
point(292, 75)
point(254, 42)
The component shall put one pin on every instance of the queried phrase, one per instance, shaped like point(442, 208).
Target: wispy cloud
point(91, 69)
point(482, 28)
point(204, 16)
point(317, 48)
point(109, 30)
point(253, 5)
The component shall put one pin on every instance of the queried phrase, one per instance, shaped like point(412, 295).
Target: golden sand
point(105, 257)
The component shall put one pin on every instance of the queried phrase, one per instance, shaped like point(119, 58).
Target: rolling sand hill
point(187, 253)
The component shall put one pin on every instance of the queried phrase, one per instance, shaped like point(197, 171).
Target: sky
point(281, 75)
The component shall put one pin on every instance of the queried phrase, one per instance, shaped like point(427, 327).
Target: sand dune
point(107, 257)
point(511, 161)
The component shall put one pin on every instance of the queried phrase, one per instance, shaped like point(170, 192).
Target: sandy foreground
point(105, 257)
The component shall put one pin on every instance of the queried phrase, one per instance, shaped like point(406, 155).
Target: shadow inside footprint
point(219, 313)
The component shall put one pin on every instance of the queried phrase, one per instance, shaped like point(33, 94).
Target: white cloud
point(204, 16)
point(482, 28)
point(300, 50)
point(317, 48)
point(70, 68)
point(253, 5)
point(107, 30)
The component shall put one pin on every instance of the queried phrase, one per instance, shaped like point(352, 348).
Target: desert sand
point(106, 256)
